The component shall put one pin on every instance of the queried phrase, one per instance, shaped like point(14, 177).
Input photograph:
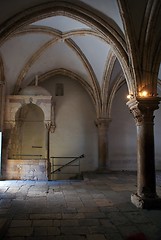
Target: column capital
point(143, 108)
point(49, 126)
point(102, 122)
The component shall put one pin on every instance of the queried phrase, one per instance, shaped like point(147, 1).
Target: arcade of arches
point(66, 69)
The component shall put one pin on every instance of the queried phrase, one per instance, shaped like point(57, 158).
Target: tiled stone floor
point(96, 208)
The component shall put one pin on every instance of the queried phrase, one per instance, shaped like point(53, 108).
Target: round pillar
point(142, 110)
point(50, 129)
point(102, 124)
point(2, 103)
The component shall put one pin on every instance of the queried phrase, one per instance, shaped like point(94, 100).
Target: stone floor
point(96, 208)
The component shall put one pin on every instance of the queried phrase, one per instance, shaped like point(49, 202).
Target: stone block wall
point(26, 169)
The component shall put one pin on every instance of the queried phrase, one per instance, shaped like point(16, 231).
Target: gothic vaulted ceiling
point(86, 39)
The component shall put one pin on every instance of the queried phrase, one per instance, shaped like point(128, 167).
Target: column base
point(146, 203)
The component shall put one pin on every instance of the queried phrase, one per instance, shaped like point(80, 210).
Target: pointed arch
point(105, 86)
point(83, 13)
point(120, 81)
point(74, 76)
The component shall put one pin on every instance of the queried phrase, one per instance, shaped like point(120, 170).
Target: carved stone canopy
point(15, 102)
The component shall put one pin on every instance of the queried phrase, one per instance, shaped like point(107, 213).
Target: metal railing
point(68, 164)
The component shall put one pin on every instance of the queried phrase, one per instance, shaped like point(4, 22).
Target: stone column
point(48, 152)
point(102, 124)
point(50, 129)
point(2, 102)
point(142, 110)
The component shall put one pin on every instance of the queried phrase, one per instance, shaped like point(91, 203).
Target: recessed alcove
point(27, 117)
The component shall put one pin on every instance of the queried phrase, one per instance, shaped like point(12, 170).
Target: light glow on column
point(143, 94)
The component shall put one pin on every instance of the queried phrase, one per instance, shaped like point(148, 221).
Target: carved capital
point(143, 109)
point(102, 122)
point(50, 127)
point(9, 124)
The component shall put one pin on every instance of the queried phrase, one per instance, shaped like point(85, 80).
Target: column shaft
point(142, 110)
point(146, 184)
point(102, 124)
point(2, 102)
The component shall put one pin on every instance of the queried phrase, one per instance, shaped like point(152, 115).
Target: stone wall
point(26, 169)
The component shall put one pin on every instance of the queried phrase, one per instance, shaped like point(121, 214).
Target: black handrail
point(75, 159)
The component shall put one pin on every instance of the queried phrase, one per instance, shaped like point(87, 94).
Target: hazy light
point(144, 94)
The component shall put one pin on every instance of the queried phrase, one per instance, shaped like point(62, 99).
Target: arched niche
point(29, 119)
point(28, 135)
